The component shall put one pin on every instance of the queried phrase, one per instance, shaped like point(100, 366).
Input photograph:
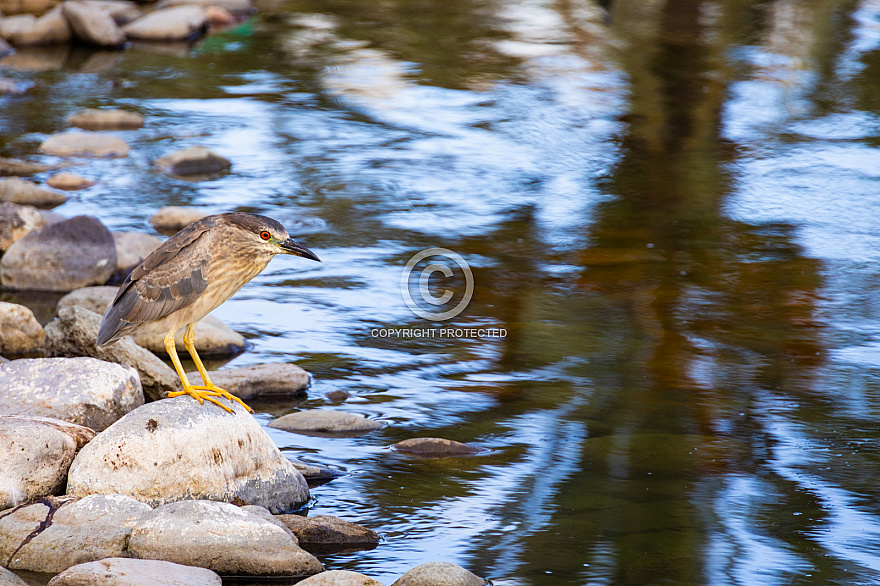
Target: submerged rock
point(24, 192)
point(92, 24)
point(169, 24)
point(36, 454)
point(61, 257)
point(85, 391)
point(69, 181)
point(172, 219)
point(177, 449)
point(193, 161)
point(20, 332)
point(239, 542)
point(94, 119)
point(19, 168)
point(129, 572)
point(81, 143)
point(326, 422)
point(340, 578)
point(259, 380)
point(434, 446)
point(439, 574)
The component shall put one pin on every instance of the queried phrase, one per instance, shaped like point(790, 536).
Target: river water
point(670, 211)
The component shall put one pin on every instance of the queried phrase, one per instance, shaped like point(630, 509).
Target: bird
point(188, 276)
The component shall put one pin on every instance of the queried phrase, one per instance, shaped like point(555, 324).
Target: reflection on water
point(670, 207)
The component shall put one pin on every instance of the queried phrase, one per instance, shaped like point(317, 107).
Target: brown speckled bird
point(190, 275)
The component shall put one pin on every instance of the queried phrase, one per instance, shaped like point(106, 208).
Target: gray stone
point(73, 333)
point(340, 578)
point(316, 474)
point(193, 161)
point(24, 30)
point(172, 219)
point(259, 380)
point(132, 248)
point(61, 257)
point(129, 572)
point(69, 181)
point(267, 515)
point(20, 332)
point(230, 5)
point(326, 422)
point(52, 217)
point(77, 143)
point(19, 168)
point(239, 542)
point(328, 530)
point(177, 449)
point(94, 119)
point(7, 578)
point(169, 24)
point(56, 533)
point(85, 391)
point(21, 191)
point(35, 453)
point(93, 24)
point(439, 574)
point(434, 446)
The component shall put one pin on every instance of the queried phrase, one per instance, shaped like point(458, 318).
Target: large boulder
point(24, 192)
point(129, 572)
point(94, 119)
point(193, 162)
point(178, 449)
point(340, 578)
point(239, 542)
point(56, 533)
point(439, 574)
point(169, 24)
point(20, 332)
point(171, 219)
point(36, 453)
point(61, 257)
point(84, 391)
point(325, 422)
point(260, 380)
point(92, 24)
point(81, 143)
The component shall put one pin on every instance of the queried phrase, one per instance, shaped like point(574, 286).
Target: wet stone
point(324, 531)
point(94, 119)
point(434, 446)
point(16, 222)
point(69, 181)
point(20, 332)
point(129, 572)
point(85, 144)
point(193, 161)
point(17, 167)
point(326, 422)
point(24, 192)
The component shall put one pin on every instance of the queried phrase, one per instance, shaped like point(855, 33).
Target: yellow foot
point(207, 393)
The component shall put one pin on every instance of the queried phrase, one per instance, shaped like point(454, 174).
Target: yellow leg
point(197, 393)
point(208, 386)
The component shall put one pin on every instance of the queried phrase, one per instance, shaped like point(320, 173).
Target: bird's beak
point(291, 246)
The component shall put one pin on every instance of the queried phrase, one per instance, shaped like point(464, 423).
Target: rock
point(56, 533)
point(20, 332)
point(76, 143)
point(267, 515)
point(219, 16)
point(439, 574)
point(7, 578)
point(316, 475)
point(6, 49)
point(338, 396)
point(11, 87)
point(177, 449)
point(434, 446)
point(131, 249)
point(52, 217)
point(69, 181)
point(11, 26)
point(61, 257)
point(17, 221)
point(49, 29)
point(23, 192)
point(169, 24)
point(85, 391)
point(10, 7)
point(93, 119)
point(230, 5)
point(37, 451)
point(172, 219)
point(339, 578)
point(73, 333)
point(193, 161)
point(17, 167)
point(36, 59)
point(324, 530)
point(92, 24)
point(129, 572)
point(121, 11)
point(240, 543)
point(258, 380)
point(326, 422)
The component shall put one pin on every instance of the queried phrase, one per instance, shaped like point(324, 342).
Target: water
point(670, 208)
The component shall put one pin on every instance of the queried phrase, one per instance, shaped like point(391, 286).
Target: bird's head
point(266, 236)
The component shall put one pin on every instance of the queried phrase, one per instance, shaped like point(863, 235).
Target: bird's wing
point(171, 277)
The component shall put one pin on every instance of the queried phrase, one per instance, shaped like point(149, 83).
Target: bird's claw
point(202, 393)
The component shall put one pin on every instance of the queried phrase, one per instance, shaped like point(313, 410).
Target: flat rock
point(7, 578)
point(69, 181)
point(129, 572)
point(55, 533)
point(326, 422)
point(258, 380)
point(25, 29)
point(193, 161)
point(326, 530)
point(230, 5)
point(177, 449)
point(36, 453)
point(169, 24)
point(65, 256)
point(239, 542)
point(94, 25)
point(94, 119)
point(19, 168)
point(20, 332)
point(73, 333)
point(340, 578)
point(439, 574)
point(78, 143)
point(314, 474)
point(24, 192)
point(172, 219)
point(85, 391)
point(434, 446)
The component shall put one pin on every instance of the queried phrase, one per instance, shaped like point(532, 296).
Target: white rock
point(20, 331)
point(56, 533)
point(35, 453)
point(340, 578)
point(169, 24)
point(177, 449)
point(260, 380)
point(129, 572)
point(94, 119)
point(81, 143)
point(239, 542)
point(439, 574)
point(24, 192)
point(85, 391)
point(172, 219)
point(326, 422)
point(69, 181)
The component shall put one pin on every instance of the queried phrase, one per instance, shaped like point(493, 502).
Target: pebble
point(439, 574)
point(169, 24)
point(94, 119)
point(326, 422)
point(193, 161)
point(129, 572)
point(24, 192)
point(20, 332)
point(259, 380)
point(434, 446)
point(81, 143)
point(172, 219)
point(69, 181)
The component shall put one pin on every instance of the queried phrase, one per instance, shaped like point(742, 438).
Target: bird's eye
point(265, 235)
